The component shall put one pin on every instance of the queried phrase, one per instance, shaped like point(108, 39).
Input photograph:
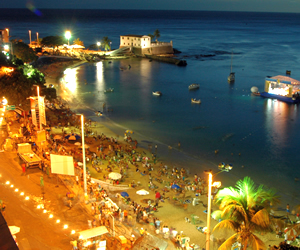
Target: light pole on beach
point(37, 38)
point(83, 155)
point(98, 44)
point(29, 37)
point(110, 45)
point(226, 168)
point(68, 36)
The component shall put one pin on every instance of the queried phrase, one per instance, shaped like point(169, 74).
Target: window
point(135, 38)
point(122, 37)
point(124, 43)
point(135, 44)
point(128, 43)
point(139, 39)
point(127, 38)
point(144, 39)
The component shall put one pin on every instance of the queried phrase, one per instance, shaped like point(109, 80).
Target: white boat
point(194, 86)
point(109, 90)
point(231, 77)
point(158, 93)
point(194, 100)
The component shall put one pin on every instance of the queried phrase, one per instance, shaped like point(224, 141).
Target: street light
point(29, 37)
point(68, 36)
point(98, 44)
point(110, 45)
point(223, 168)
point(83, 156)
point(37, 38)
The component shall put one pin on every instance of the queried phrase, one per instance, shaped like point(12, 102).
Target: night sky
point(213, 5)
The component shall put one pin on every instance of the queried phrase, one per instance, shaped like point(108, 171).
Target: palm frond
point(256, 243)
point(261, 219)
point(229, 224)
point(229, 242)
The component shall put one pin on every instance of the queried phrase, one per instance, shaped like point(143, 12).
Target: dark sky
point(220, 5)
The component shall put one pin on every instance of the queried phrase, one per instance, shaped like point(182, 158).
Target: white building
point(139, 44)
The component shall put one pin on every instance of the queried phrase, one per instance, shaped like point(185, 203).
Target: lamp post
point(68, 36)
point(29, 37)
point(98, 44)
point(224, 168)
point(37, 38)
point(83, 156)
point(110, 45)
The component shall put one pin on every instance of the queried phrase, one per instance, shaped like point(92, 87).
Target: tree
point(78, 42)
point(151, 36)
point(53, 41)
point(156, 34)
point(23, 52)
point(244, 209)
point(106, 43)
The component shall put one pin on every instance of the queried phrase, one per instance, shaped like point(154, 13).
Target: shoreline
point(112, 130)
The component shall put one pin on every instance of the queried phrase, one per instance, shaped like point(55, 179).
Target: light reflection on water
point(233, 121)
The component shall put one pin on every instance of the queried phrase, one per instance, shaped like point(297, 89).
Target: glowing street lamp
point(210, 185)
point(68, 36)
point(83, 155)
point(110, 45)
point(29, 37)
point(98, 44)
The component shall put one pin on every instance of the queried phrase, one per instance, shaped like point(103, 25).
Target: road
point(38, 231)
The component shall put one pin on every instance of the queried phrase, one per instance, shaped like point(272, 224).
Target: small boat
point(231, 77)
point(194, 100)
point(158, 93)
point(194, 86)
point(109, 90)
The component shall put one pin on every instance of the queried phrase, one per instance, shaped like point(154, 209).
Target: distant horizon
point(248, 11)
point(276, 6)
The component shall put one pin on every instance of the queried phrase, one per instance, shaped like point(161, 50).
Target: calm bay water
point(260, 137)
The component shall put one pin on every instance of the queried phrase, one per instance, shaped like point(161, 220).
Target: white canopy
point(93, 232)
point(286, 78)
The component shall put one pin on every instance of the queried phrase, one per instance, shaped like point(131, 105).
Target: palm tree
point(244, 209)
point(151, 36)
point(156, 34)
point(106, 43)
point(78, 42)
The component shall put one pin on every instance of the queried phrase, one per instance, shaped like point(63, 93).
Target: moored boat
point(109, 90)
point(231, 77)
point(194, 100)
point(282, 88)
point(157, 93)
point(194, 86)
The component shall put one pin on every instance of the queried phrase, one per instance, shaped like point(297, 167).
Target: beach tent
point(73, 137)
point(142, 192)
point(175, 186)
point(93, 232)
point(114, 176)
point(124, 194)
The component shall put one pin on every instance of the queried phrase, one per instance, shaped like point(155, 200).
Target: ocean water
point(260, 137)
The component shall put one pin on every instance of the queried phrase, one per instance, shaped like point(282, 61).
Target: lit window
point(128, 43)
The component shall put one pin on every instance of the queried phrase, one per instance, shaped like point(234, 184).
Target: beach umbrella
point(145, 158)
point(175, 186)
point(114, 176)
point(14, 229)
point(57, 137)
point(129, 131)
point(142, 192)
point(73, 137)
point(124, 194)
point(77, 143)
point(291, 233)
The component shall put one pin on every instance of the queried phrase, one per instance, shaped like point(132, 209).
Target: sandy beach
point(177, 211)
